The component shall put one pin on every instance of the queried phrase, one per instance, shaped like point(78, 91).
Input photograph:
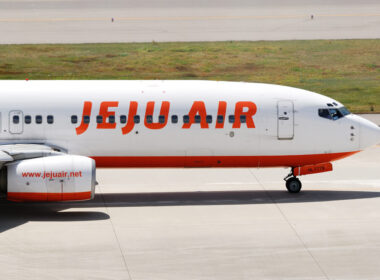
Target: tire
point(293, 185)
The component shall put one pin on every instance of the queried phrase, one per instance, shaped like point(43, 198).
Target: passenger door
point(16, 122)
point(285, 120)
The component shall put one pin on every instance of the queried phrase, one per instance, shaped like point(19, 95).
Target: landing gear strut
point(293, 184)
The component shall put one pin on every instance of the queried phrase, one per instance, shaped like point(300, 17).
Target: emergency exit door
point(16, 124)
point(285, 120)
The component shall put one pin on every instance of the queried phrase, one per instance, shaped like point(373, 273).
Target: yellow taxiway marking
point(181, 18)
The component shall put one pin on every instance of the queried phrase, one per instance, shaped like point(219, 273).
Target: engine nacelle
point(54, 178)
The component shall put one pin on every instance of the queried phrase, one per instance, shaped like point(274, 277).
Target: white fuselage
point(287, 129)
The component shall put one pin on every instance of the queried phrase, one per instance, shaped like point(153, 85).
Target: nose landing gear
point(293, 184)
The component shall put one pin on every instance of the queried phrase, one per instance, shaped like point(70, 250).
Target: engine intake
point(54, 178)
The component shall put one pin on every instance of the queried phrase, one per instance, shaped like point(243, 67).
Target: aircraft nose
point(369, 134)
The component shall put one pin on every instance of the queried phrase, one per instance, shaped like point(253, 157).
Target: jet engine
point(53, 178)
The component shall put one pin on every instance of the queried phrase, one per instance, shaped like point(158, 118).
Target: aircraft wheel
point(293, 185)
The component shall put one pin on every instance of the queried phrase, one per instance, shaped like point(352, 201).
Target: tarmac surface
point(203, 224)
point(83, 21)
point(372, 117)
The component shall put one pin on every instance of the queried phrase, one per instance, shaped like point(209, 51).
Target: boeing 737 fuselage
point(54, 133)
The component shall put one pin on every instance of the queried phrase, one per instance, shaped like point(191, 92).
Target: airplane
point(55, 133)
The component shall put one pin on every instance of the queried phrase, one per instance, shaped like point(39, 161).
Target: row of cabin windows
point(123, 119)
point(38, 119)
point(161, 119)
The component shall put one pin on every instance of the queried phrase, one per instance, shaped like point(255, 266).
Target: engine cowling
point(54, 178)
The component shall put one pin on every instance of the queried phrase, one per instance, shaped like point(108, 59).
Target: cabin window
point(324, 113)
point(331, 114)
point(86, 119)
point(16, 119)
point(74, 119)
point(99, 119)
point(344, 111)
point(231, 118)
point(174, 119)
point(161, 119)
point(186, 119)
point(136, 119)
point(220, 119)
point(111, 119)
point(38, 119)
point(335, 114)
point(149, 119)
point(28, 119)
point(197, 119)
point(50, 119)
point(123, 119)
point(243, 119)
point(209, 119)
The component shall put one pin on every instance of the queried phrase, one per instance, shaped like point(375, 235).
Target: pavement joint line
point(114, 231)
point(180, 18)
point(290, 225)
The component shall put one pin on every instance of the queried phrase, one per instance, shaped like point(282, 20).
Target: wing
point(13, 152)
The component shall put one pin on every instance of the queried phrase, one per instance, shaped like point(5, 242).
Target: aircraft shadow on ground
point(16, 214)
point(224, 198)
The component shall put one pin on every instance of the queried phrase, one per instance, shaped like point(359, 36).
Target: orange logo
point(242, 108)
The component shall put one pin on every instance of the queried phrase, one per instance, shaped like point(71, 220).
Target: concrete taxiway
point(203, 224)
point(372, 117)
point(81, 21)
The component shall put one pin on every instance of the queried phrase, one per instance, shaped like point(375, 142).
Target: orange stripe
point(219, 161)
point(25, 196)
